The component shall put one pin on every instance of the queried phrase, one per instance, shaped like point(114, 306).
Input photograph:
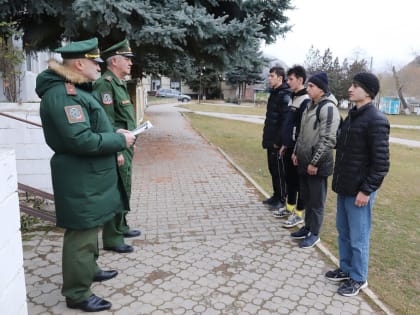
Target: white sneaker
point(281, 213)
point(292, 221)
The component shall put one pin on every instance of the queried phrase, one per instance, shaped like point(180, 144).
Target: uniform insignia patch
point(74, 114)
point(125, 102)
point(108, 78)
point(70, 89)
point(107, 98)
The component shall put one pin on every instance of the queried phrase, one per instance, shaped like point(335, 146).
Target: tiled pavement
point(208, 246)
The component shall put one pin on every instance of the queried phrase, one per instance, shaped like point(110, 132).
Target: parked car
point(173, 93)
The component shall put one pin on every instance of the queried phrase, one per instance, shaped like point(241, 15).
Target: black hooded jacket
point(275, 118)
point(362, 156)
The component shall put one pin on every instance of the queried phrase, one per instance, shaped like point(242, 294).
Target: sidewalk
point(208, 246)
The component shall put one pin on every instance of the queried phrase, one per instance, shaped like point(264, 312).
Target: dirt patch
point(223, 268)
point(162, 180)
point(156, 275)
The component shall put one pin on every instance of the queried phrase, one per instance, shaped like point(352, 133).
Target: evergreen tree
point(165, 31)
point(349, 71)
point(247, 68)
point(339, 76)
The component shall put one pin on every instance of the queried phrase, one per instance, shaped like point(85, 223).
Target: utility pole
point(202, 69)
point(199, 90)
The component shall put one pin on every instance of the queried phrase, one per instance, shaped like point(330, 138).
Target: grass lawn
point(154, 100)
point(244, 110)
point(395, 250)
point(404, 120)
point(410, 134)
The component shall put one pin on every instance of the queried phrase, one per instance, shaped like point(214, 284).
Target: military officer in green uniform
point(111, 91)
point(86, 184)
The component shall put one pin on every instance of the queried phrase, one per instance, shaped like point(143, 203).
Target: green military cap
point(121, 48)
point(83, 49)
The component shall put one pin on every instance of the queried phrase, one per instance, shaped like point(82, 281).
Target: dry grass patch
point(404, 120)
point(235, 109)
point(410, 134)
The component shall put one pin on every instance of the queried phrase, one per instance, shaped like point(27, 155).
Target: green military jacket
point(87, 187)
point(113, 95)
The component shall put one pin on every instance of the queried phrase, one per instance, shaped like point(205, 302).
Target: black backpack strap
point(318, 110)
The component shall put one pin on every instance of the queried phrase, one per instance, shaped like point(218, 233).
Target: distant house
point(344, 104)
point(390, 105)
point(414, 104)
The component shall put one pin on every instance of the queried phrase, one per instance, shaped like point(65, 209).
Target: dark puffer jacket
point(362, 156)
point(275, 118)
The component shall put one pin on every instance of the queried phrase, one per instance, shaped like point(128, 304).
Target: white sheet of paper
point(141, 128)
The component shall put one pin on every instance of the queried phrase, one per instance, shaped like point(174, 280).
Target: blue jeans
point(353, 226)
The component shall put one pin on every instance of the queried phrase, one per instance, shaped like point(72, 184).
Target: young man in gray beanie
point(362, 162)
point(313, 155)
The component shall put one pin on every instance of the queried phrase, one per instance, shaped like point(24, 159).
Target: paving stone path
point(208, 246)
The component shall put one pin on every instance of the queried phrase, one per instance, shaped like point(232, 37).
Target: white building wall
point(28, 93)
point(32, 153)
point(30, 68)
point(165, 83)
point(12, 278)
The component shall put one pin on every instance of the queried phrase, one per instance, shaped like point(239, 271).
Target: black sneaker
point(351, 287)
point(337, 275)
point(302, 233)
point(279, 206)
point(270, 201)
point(310, 241)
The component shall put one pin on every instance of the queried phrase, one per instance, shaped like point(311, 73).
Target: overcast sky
point(386, 31)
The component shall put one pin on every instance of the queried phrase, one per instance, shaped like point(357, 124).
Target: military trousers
point(126, 170)
point(80, 251)
point(113, 230)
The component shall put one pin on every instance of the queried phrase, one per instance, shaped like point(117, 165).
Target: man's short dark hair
point(298, 71)
point(279, 71)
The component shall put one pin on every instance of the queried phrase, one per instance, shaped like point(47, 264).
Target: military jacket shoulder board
point(70, 88)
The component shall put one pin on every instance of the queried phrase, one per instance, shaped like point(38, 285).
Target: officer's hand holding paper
point(143, 127)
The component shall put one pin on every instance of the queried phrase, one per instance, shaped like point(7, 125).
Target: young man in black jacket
point(296, 77)
point(277, 108)
point(361, 163)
